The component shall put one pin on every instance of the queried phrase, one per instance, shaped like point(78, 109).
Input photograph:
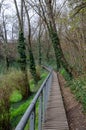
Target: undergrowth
point(10, 82)
point(77, 86)
point(17, 113)
point(65, 74)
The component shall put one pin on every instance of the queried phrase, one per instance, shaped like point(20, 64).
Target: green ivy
point(21, 50)
point(32, 66)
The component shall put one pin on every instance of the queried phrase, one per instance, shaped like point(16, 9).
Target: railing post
point(44, 101)
point(32, 120)
point(51, 78)
point(40, 112)
point(46, 93)
point(48, 86)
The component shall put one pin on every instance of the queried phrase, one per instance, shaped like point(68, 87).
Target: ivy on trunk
point(23, 63)
point(60, 59)
point(32, 66)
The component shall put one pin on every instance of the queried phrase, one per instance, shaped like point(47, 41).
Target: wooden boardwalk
point(55, 117)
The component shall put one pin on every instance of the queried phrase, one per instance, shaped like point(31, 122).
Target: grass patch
point(16, 96)
point(17, 113)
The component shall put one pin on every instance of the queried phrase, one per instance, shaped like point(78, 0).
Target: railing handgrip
point(28, 112)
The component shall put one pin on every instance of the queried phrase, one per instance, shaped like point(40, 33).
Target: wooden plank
point(55, 117)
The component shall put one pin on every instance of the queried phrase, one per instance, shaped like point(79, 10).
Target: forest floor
point(76, 117)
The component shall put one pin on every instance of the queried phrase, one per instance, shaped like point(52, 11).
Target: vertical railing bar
point(45, 96)
point(47, 92)
point(49, 85)
point(44, 99)
point(40, 112)
point(32, 120)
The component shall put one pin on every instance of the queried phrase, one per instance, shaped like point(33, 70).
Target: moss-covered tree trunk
point(22, 50)
point(32, 61)
point(40, 54)
point(39, 40)
point(7, 62)
point(60, 59)
point(55, 43)
point(39, 49)
point(23, 63)
point(31, 57)
point(32, 66)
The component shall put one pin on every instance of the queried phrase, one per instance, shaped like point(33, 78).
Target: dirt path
point(76, 119)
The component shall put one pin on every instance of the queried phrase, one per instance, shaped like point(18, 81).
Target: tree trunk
point(6, 42)
point(39, 47)
point(60, 59)
point(27, 91)
point(22, 51)
point(23, 63)
point(39, 43)
point(31, 57)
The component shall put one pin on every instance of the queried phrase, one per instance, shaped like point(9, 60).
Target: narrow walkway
point(55, 118)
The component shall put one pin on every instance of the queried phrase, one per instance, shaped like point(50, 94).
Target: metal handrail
point(42, 95)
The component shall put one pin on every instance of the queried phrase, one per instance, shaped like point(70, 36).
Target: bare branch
point(19, 19)
point(79, 8)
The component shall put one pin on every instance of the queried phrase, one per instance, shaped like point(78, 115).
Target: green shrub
point(9, 82)
point(13, 79)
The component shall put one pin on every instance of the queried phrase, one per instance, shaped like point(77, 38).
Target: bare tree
point(29, 44)
point(72, 35)
point(4, 33)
